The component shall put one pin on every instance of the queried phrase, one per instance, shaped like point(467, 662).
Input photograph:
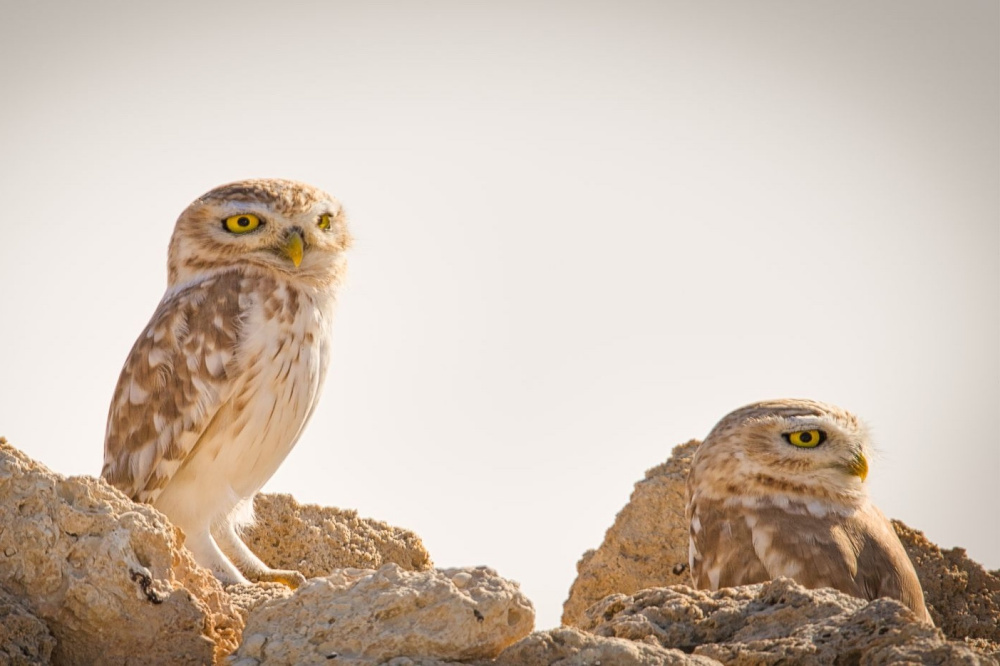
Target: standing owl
point(220, 384)
point(777, 489)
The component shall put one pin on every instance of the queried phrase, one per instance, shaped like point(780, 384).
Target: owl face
point(276, 225)
point(787, 447)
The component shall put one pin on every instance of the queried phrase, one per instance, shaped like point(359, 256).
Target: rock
point(648, 544)
point(247, 596)
point(571, 647)
point(370, 617)
point(316, 540)
point(24, 639)
point(963, 598)
point(778, 622)
point(107, 576)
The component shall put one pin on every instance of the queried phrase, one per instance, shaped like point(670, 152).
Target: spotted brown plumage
point(761, 506)
point(219, 386)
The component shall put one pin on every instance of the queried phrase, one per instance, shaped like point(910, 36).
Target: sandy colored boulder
point(368, 617)
point(316, 540)
point(648, 544)
point(106, 575)
point(571, 647)
point(779, 622)
point(962, 597)
point(24, 639)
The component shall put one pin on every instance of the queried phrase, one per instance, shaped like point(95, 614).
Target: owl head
point(792, 449)
point(275, 225)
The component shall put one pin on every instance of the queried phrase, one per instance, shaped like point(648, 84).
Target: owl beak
point(294, 247)
point(859, 466)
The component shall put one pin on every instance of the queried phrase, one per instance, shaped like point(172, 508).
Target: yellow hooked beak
point(294, 247)
point(859, 466)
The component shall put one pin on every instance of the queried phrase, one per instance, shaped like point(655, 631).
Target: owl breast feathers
point(219, 386)
point(777, 489)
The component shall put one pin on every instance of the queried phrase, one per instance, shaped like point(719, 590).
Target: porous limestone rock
point(571, 647)
point(779, 622)
point(962, 597)
point(107, 576)
point(24, 639)
point(362, 617)
point(247, 596)
point(316, 540)
point(648, 544)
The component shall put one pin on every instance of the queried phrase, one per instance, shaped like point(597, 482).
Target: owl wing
point(722, 553)
point(884, 568)
point(859, 554)
point(177, 376)
point(809, 546)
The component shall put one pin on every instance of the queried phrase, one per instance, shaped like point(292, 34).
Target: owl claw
point(292, 579)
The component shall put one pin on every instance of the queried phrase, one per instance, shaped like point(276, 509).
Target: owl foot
point(292, 579)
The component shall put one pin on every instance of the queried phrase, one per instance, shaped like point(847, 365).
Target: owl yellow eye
point(325, 221)
point(241, 224)
point(806, 439)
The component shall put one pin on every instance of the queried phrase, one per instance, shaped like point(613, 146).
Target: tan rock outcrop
point(779, 622)
point(963, 598)
point(107, 576)
point(369, 617)
point(24, 639)
point(648, 544)
point(571, 647)
point(316, 540)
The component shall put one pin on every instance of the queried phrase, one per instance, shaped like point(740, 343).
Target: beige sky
point(584, 233)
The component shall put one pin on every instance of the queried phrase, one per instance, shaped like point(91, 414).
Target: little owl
point(777, 489)
point(220, 384)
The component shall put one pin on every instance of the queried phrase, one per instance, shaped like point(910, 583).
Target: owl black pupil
point(805, 437)
point(243, 221)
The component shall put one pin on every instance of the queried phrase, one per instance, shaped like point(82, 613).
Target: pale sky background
point(585, 232)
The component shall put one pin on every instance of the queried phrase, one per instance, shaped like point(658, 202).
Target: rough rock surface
point(247, 596)
point(648, 544)
point(963, 598)
point(779, 622)
point(571, 647)
point(87, 576)
point(361, 616)
point(24, 639)
point(107, 576)
point(317, 540)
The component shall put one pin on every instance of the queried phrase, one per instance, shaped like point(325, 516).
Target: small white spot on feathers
point(713, 577)
point(136, 394)
point(817, 508)
point(157, 356)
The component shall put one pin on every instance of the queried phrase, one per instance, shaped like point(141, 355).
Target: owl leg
point(207, 553)
point(247, 562)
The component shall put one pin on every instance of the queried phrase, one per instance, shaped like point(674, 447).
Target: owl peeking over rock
point(778, 489)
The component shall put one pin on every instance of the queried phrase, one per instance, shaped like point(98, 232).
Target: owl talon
point(292, 579)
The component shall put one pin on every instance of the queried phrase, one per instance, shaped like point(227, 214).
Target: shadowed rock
point(779, 622)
